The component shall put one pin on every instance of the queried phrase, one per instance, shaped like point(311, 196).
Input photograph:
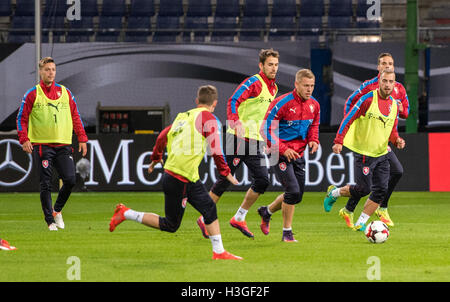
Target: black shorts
point(177, 194)
point(292, 177)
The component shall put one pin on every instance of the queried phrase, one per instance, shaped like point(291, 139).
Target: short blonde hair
point(45, 60)
point(304, 73)
point(207, 94)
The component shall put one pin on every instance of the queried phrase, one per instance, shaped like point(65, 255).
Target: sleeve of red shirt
point(211, 128)
point(313, 132)
point(269, 128)
point(23, 115)
point(365, 88)
point(405, 103)
point(240, 95)
point(78, 126)
point(160, 144)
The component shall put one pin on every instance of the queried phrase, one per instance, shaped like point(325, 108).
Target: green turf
point(417, 250)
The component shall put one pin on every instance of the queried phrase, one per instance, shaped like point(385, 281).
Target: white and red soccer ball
point(377, 232)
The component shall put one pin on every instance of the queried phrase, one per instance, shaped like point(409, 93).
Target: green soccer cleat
point(383, 215)
point(329, 200)
point(348, 217)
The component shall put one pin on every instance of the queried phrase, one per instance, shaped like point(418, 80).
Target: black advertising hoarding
point(120, 162)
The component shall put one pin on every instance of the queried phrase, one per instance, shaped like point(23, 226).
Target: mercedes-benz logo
point(9, 163)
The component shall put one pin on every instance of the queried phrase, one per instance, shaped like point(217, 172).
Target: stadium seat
point(312, 8)
point(5, 8)
point(248, 23)
point(361, 16)
point(89, 8)
point(171, 8)
point(80, 30)
point(56, 25)
point(139, 28)
point(228, 8)
point(279, 28)
point(225, 29)
point(24, 8)
point(196, 23)
point(55, 8)
point(109, 28)
point(256, 8)
point(113, 8)
point(339, 22)
point(25, 27)
point(143, 8)
point(340, 8)
point(284, 8)
point(310, 26)
point(170, 26)
point(201, 8)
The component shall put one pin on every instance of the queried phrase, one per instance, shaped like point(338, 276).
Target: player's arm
point(22, 119)
point(403, 105)
point(395, 138)
point(269, 129)
point(78, 126)
point(363, 89)
point(158, 149)
point(313, 131)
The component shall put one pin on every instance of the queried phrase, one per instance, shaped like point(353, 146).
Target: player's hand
point(313, 146)
point(337, 148)
point(152, 165)
point(400, 143)
point(82, 147)
point(291, 154)
point(231, 179)
point(400, 106)
point(27, 147)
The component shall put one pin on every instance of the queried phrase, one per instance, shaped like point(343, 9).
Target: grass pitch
point(417, 250)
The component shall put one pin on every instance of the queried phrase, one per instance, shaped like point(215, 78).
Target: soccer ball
point(377, 232)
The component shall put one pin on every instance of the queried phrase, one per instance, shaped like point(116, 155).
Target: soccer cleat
point(225, 256)
point(329, 199)
point(383, 215)
point(360, 227)
point(201, 225)
point(241, 226)
point(288, 236)
point(52, 227)
point(348, 217)
point(265, 220)
point(118, 216)
point(58, 219)
point(4, 245)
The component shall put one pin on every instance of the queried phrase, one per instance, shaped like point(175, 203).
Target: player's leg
point(66, 169)
point(266, 213)
point(43, 156)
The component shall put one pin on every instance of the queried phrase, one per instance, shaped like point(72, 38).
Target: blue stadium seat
point(361, 16)
point(228, 8)
point(199, 8)
point(361, 8)
point(25, 27)
point(55, 8)
point(340, 8)
point(279, 28)
point(312, 8)
point(256, 8)
point(5, 8)
point(336, 22)
point(143, 8)
point(139, 28)
point(109, 28)
point(24, 8)
point(171, 8)
point(310, 26)
point(113, 8)
point(80, 30)
point(55, 24)
point(170, 26)
point(284, 8)
point(249, 23)
point(89, 8)
point(199, 24)
point(229, 27)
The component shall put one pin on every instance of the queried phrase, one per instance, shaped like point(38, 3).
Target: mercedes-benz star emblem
point(9, 163)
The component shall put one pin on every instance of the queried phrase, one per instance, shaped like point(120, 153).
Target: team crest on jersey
point(312, 108)
point(236, 161)
point(282, 166)
point(183, 202)
point(45, 163)
point(366, 170)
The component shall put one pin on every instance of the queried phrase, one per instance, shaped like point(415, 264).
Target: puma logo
point(292, 109)
point(54, 106)
point(384, 122)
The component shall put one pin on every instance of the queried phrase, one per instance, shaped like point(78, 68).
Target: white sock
point(287, 229)
point(240, 214)
point(217, 244)
point(336, 192)
point(268, 211)
point(133, 215)
point(362, 219)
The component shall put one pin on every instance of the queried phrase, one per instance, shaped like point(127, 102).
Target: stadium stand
point(142, 8)
point(167, 29)
point(5, 8)
point(138, 30)
point(282, 19)
point(24, 8)
point(22, 29)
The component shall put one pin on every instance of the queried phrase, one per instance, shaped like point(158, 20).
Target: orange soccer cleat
point(118, 216)
point(225, 256)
